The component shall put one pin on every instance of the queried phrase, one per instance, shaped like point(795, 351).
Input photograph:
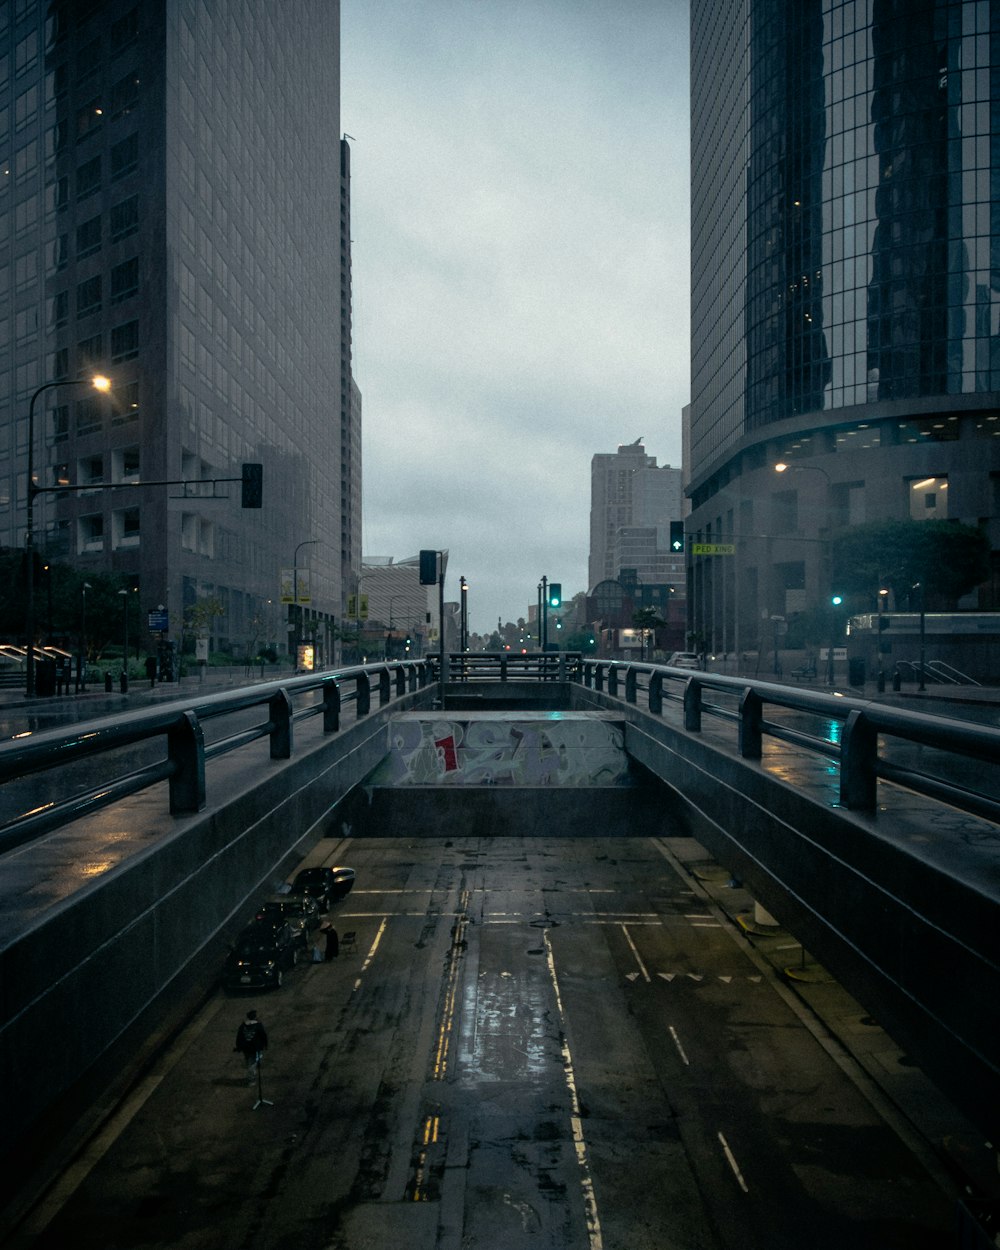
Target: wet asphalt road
point(537, 1043)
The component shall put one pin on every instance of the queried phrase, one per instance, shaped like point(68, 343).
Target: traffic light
point(428, 568)
point(252, 486)
point(555, 594)
point(836, 600)
point(677, 536)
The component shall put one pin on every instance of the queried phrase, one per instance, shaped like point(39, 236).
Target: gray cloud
point(520, 217)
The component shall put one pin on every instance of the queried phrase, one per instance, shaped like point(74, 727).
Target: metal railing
point(179, 726)
point(862, 727)
point(513, 666)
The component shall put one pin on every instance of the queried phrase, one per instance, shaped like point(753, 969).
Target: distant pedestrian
point(332, 941)
point(251, 1042)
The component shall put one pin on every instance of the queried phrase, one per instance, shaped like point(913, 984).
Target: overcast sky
point(520, 261)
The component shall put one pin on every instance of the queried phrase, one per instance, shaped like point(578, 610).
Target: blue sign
point(159, 621)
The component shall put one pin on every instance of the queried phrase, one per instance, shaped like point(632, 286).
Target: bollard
point(896, 680)
point(124, 682)
point(107, 683)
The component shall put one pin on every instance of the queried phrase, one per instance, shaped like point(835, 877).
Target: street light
point(880, 674)
point(296, 606)
point(124, 598)
point(99, 383)
point(81, 672)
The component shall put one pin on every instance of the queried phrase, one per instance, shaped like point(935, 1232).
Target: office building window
point(124, 156)
point(88, 237)
point(88, 59)
point(125, 217)
point(125, 403)
point(124, 279)
point(57, 195)
point(58, 252)
point(25, 270)
point(89, 414)
point(125, 527)
point(125, 464)
point(59, 423)
point(26, 215)
point(125, 94)
point(90, 533)
point(56, 82)
point(26, 108)
point(124, 30)
point(59, 309)
point(26, 53)
point(89, 118)
point(125, 341)
point(26, 324)
point(89, 353)
point(929, 499)
point(88, 177)
point(88, 296)
point(90, 470)
point(59, 364)
point(26, 159)
point(55, 138)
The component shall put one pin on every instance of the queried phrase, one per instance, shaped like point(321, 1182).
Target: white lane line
point(638, 957)
point(371, 954)
point(731, 1159)
point(677, 1043)
point(594, 1237)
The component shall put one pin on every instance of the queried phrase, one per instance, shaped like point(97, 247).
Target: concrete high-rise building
point(629, 492)
point(175, 213)
point(845, 297)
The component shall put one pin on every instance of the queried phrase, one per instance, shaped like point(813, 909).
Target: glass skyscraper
point(175, 214)
point(845, 288)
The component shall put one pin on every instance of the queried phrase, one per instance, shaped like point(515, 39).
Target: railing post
point(384, 693)
point(363, 701)
point(186, 749)
point(331, 706)
point(411, 679)
point(400, 682)
point(631, 681)
point(858, 756)
point(656, 693)
point(503, 668)
point(599, 677)
point(279, 710)
point(562, 665)
point(692, 705)
point(613, 682)
point(750, 734)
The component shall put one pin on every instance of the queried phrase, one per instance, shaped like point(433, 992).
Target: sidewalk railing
point(179, 726)
point(855, 729)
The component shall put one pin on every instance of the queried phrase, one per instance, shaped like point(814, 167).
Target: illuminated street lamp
point(100, 383)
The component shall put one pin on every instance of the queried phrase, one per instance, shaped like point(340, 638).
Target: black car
point(325, 885)
point(261, 955)
point(297, 910)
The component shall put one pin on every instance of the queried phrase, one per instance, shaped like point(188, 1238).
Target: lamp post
point(923, 634)
point(463, 620)
point(99, 383)
point(81, 671)
point(296, 606)
point(124, 598)
point(880, 672)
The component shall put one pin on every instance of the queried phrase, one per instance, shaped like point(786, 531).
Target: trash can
point(856, 670)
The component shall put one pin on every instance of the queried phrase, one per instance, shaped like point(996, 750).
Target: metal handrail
point(180, 724)
point(863, 724)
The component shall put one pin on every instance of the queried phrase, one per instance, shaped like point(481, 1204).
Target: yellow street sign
point(713, 549)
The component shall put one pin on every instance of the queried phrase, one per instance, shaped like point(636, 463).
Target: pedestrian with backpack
point(251, 1042)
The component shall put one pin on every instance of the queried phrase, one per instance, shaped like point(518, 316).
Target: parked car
point(684, 659)
point(261, 955)
point(325, 885)
point(300, 910)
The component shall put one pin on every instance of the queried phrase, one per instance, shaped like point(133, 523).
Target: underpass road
point(538, 1043)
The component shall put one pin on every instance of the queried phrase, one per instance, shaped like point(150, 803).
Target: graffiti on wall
point(499, 751)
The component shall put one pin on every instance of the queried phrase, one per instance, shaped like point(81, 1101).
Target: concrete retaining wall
point(84, 991)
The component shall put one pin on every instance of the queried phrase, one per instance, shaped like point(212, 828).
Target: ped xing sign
point(713, 549)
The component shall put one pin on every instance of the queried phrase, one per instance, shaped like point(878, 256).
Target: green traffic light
point(837, 600)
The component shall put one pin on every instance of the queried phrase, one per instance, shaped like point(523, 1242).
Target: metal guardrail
point(180, 725)
point(862, 725)
point(511, 666)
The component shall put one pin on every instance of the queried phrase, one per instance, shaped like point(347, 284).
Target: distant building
point(176, 215)
point(398, 606)
point(632, 502)
point(845, 305)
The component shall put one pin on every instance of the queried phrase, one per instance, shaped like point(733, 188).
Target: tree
point(946, 558)
point(646, 620)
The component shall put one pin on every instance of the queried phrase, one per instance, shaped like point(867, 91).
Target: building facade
point(175, 215)
point(845, 291)
point(632, 503)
